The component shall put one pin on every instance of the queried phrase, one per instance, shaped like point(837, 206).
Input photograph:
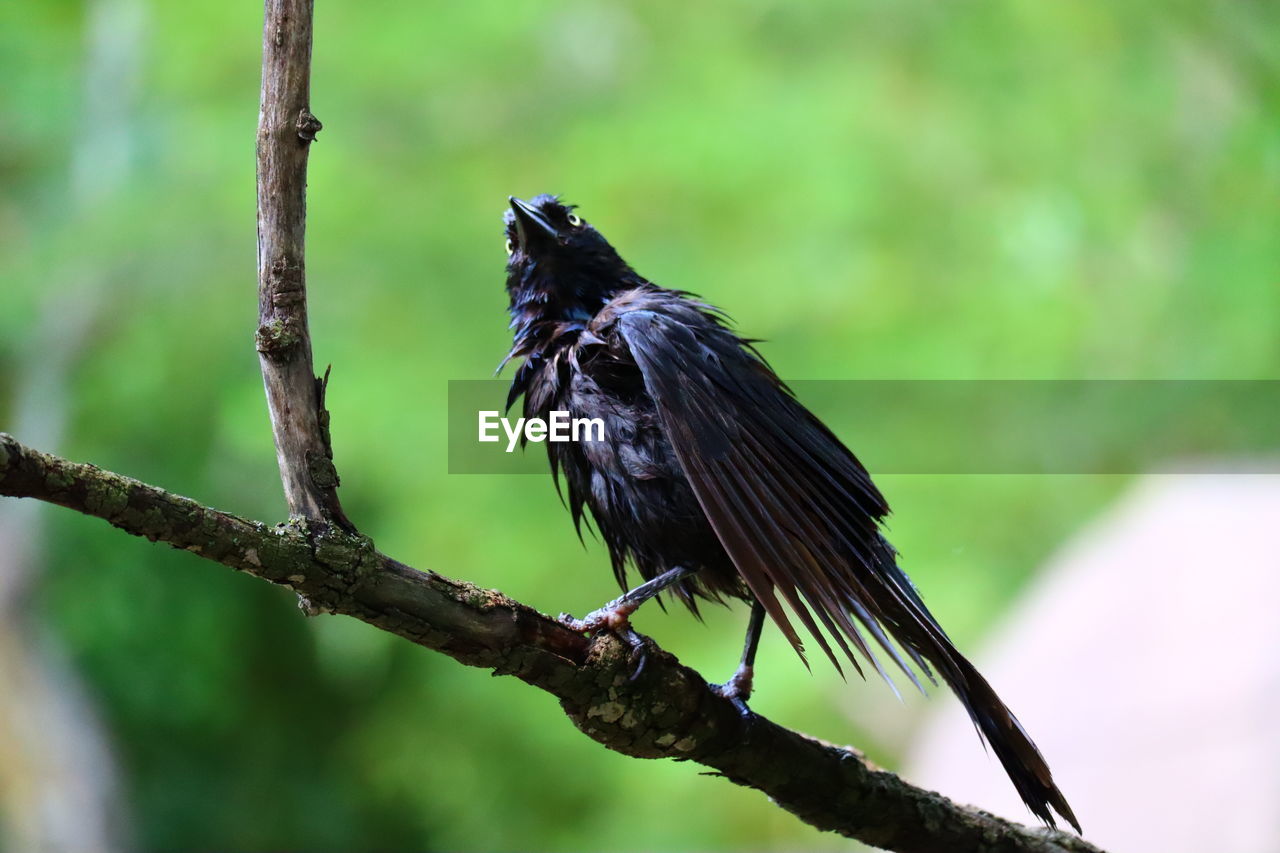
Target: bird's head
point(557, 260)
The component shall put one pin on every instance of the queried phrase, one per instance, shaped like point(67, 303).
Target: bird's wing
point(792, 506)
point(799, 516)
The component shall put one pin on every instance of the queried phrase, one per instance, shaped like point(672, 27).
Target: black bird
point(712, 480)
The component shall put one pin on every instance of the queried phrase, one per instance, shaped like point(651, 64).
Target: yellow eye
point(574, 221)
point(510, 247)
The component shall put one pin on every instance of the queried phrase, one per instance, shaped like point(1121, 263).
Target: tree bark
point(295, 397)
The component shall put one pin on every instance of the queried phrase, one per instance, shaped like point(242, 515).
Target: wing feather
point(790, 504)
point(800, 518)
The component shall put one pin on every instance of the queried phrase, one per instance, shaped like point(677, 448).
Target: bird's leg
point(738, 688)
point(616, 615)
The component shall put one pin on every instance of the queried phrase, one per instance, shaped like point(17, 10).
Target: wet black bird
point(713, 481)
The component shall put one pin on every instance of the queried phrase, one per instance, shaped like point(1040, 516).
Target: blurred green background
point(882, 190)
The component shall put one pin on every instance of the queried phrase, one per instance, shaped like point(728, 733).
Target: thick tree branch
point(668, 711)
point(295, 397)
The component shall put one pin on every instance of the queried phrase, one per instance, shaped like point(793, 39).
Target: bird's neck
point(547, 317)
point(547, 314)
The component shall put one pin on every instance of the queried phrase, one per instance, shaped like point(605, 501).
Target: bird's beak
point(531, 226)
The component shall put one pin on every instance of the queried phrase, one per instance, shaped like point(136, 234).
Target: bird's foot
point(738, 689)
point(614, 618)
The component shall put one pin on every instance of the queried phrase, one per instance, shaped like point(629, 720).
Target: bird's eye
point(574, 220)
point(511, 247)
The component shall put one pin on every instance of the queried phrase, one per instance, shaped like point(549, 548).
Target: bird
point(714, 483)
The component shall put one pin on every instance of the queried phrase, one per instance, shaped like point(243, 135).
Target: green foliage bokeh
point(884, 190)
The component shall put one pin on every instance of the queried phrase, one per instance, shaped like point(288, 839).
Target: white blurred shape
point(1145, 663)
point(588, 44)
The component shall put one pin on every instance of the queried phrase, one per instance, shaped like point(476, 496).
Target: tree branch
point(668, 711)
point(295, 397)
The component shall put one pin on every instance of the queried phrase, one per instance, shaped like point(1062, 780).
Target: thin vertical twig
point(295, 397)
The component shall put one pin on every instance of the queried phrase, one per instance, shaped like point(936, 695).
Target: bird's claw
point(639, 654)
point(737, 690)
point(615, 619)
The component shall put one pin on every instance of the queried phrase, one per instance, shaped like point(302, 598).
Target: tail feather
point(909, 620)
point(1000, 728)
